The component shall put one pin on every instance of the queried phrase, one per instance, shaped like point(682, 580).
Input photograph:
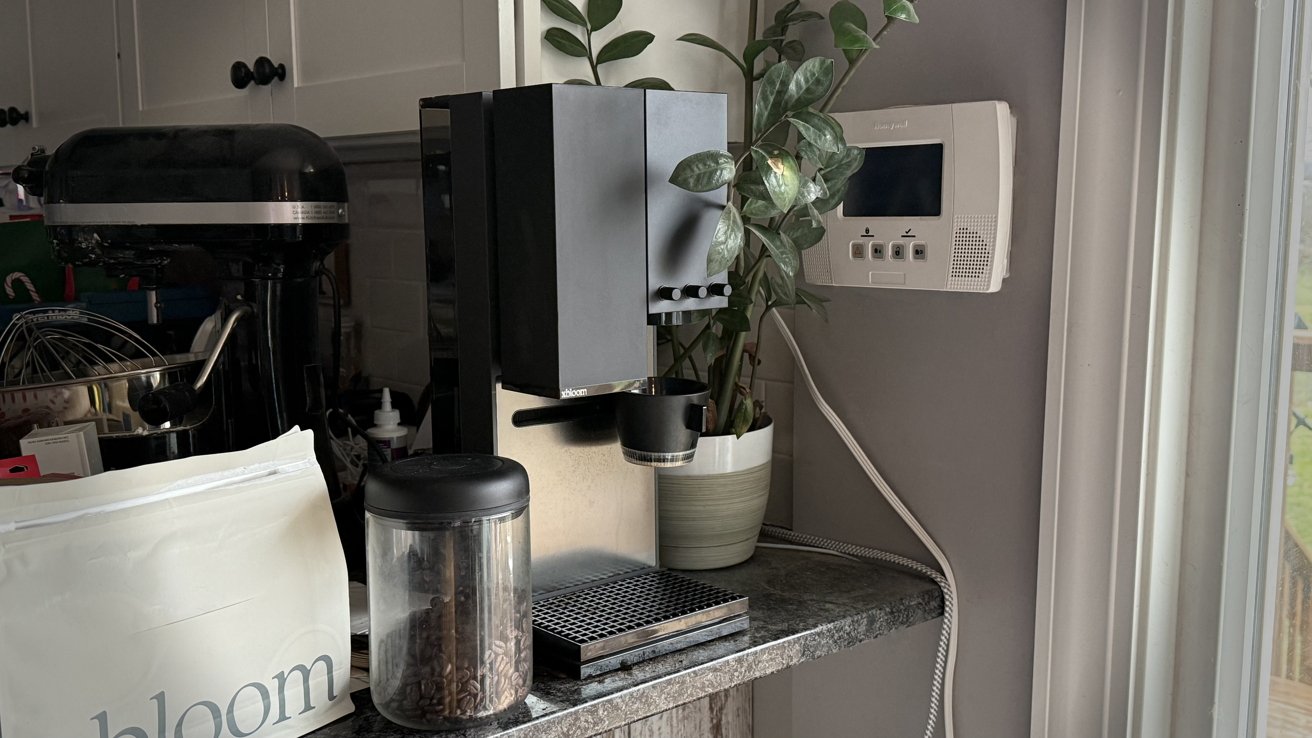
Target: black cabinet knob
point(12, 116)
point(721, 289)
point(695, 291)
point(670, 293)
point(264, 73)
point(241, 75)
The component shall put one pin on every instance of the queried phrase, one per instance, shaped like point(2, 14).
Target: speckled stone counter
point(803, 606)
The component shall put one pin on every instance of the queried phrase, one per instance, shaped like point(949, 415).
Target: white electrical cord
point(945, 662)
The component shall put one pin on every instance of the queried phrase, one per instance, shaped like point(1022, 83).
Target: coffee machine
point(554, 242)
point(266, 202)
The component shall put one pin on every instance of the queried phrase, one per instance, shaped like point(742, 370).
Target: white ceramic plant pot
point(710, 510)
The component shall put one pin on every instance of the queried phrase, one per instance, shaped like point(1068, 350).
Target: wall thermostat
point(930, 208)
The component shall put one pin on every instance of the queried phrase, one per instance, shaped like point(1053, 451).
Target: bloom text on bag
point(221, 719)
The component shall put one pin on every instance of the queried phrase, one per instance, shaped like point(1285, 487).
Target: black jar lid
point(446, 486)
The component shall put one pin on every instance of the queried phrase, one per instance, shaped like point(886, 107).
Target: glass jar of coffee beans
point(450, 602)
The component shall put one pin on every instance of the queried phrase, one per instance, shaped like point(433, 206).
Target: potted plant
point(791, 169)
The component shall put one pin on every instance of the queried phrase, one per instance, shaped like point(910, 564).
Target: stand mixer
point(267, 202)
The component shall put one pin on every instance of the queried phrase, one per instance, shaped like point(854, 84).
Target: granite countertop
point(803, 606)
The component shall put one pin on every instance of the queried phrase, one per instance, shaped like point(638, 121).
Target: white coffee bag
point(199, 598)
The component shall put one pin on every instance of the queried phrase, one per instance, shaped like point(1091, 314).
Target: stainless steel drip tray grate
point(633, 618)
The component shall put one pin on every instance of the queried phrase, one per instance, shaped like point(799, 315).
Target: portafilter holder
point(660, 421)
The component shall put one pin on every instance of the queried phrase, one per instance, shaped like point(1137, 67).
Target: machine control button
point(858, 250)
point(695, 291)
point(897, 251)
point(919, 251)
point(721, 289)
point(670, 293)
point(877, 250)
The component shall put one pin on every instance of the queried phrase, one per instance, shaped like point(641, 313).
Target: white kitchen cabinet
point(357, 68)
point(59, 68)
point(349, 67)
point(15, 81)
point(176, 60)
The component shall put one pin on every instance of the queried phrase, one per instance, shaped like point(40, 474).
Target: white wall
point(946, 392)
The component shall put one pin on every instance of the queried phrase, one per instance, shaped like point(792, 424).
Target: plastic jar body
point(451, 625)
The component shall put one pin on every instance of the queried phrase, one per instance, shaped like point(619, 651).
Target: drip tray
point(619, 622)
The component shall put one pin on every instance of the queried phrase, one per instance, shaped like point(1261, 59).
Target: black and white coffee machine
point(267, 203)
point(554, 243)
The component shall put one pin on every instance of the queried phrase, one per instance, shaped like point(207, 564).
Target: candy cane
point(31, 288)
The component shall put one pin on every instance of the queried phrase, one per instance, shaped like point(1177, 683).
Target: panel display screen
point(897, 181)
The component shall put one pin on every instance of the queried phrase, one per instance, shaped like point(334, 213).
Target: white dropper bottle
point(387, 430)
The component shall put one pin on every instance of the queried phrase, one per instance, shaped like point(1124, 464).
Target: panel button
point(720, 289)
point(877, 250)
point(897, 251)
point(670, 293)
point(858, 250)
point(695, 291)
point(919, 251)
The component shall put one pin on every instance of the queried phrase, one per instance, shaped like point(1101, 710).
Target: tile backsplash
point(388, 293)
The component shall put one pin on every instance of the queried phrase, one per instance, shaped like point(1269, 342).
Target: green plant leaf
point(819, 129)
point(808, 151)
point(741, 300)
point(813, 213)
point(810, 83)
point(820, 182)
point(565, 42)
point(734, 320)
point(844, 166)
point(804, 234)
point(808, 192)
point(849, 37)
point(815, 302)
point(782, 14)
point(793, 50)
point(566, 10)
point(704, 171)
point(901, 10)
point(711, 345)
point(806, 16)
point(602, 12)
point(769, 107)
point(710, 43)
point(754, 49)
point(752, 184)
point(851, 29)
point(779, 171)
point(742, 416)
point(822, 159)
point(844, 12)
point(780, 247)
point(727, 241)
point(650, 83)
point(577, 81)
point(760, 209)
point(831, 201)
point(785, 288)
point(624, 46)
